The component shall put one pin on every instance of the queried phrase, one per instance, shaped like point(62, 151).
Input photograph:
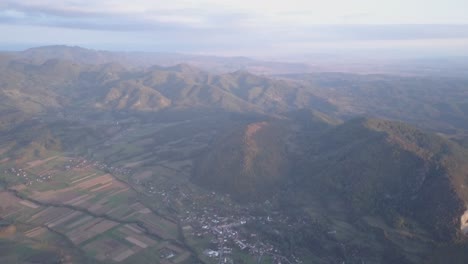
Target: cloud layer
point(210, 25)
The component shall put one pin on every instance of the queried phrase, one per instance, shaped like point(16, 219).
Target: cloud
point(117, 14)
point(244, 14)
point(256, 25)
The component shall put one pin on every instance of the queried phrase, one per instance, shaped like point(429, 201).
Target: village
point(227, 234)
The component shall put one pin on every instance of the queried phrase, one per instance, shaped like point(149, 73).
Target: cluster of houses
point(27, 179)
point(227, 234)
point(81, 163)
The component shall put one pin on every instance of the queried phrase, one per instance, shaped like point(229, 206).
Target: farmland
point(92, 209)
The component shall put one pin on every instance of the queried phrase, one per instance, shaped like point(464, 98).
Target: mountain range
point(372, 168)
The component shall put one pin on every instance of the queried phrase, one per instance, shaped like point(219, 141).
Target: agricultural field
point(91, 208)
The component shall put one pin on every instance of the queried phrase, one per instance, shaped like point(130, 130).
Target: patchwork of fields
point(92, 209)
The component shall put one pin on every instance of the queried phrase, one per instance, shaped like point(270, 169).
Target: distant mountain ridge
point(88, 76)
point(216, 64)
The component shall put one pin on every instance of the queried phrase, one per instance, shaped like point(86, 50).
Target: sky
point(241, 27)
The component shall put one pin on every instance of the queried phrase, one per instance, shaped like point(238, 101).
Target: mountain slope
point(253, 161)
point(247, 163)
point(390, 169)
